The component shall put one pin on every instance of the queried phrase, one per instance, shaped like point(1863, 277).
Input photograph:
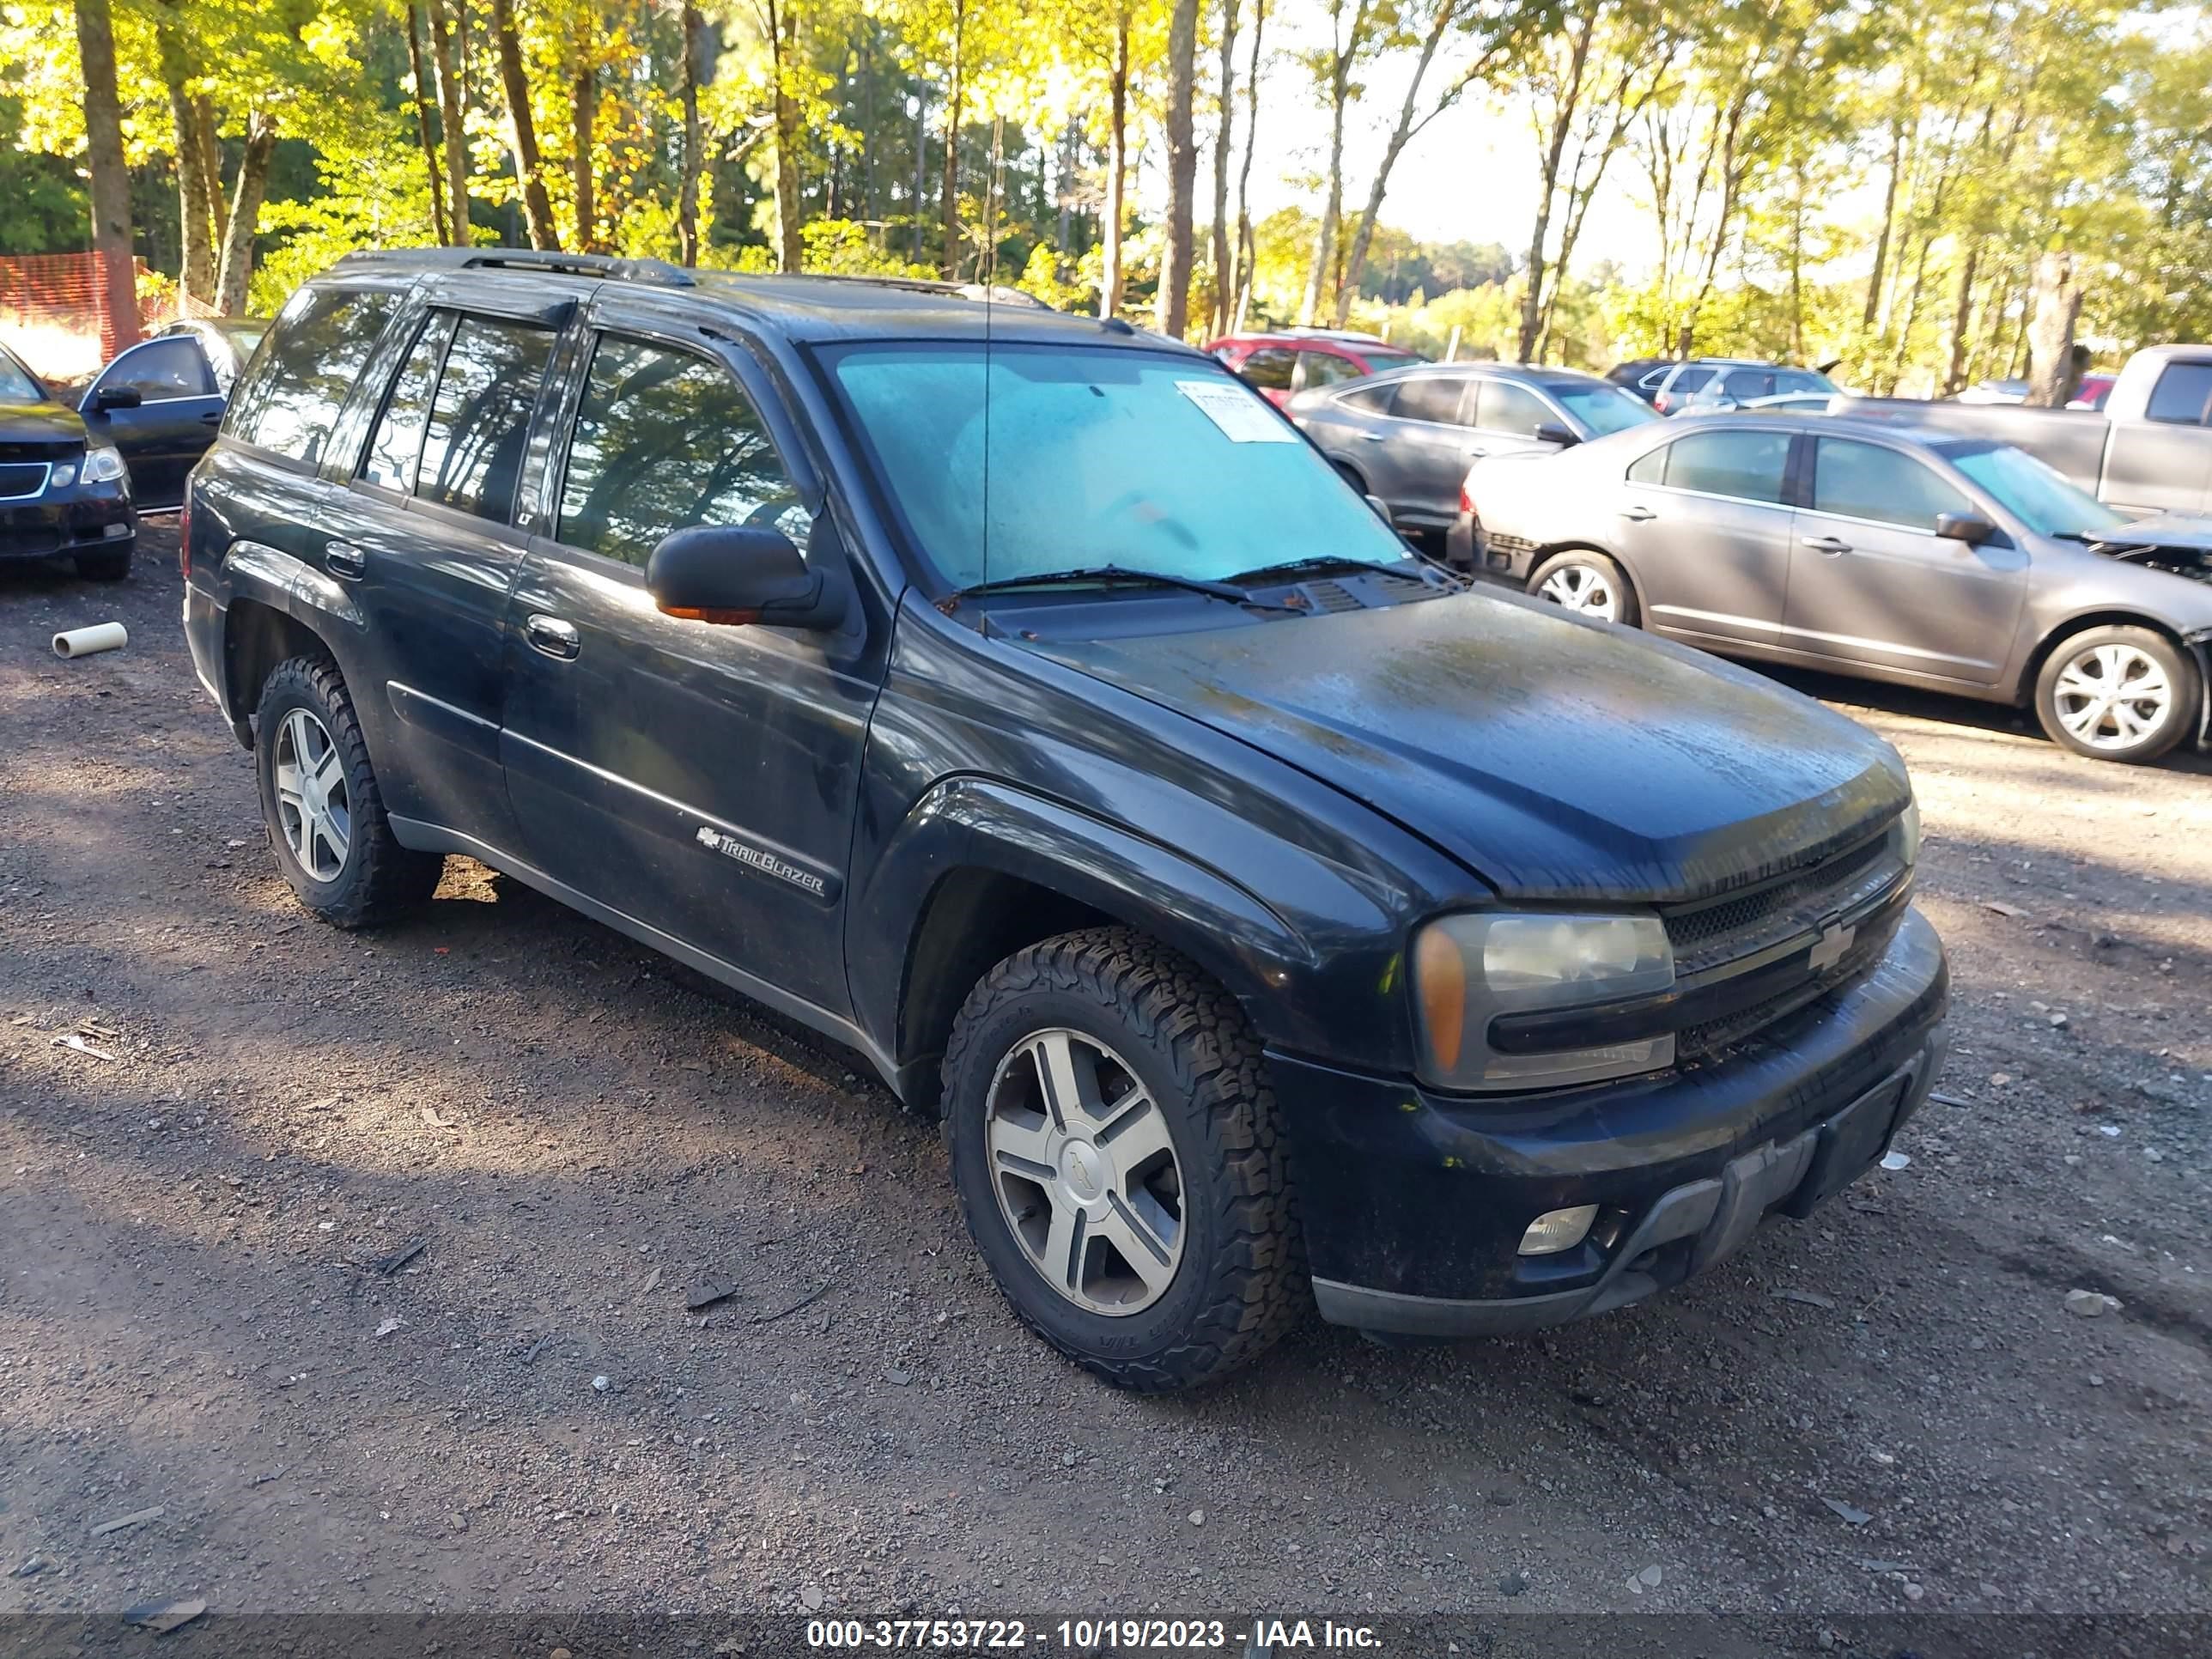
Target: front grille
point(1705, 1039)
point(1708, 935)
point(20, 480)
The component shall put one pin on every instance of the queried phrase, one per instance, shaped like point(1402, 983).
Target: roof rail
point(997, 292)
point(615, 267)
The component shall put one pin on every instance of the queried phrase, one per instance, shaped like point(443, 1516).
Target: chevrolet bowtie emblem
point(1828, 949)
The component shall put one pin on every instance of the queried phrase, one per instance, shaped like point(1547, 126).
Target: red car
point(1299, 359)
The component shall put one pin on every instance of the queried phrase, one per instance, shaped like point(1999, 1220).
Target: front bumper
point(1415, 1203)
point(72, 519)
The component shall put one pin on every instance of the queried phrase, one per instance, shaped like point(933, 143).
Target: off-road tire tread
point(387, 880)
point(1258, 1285)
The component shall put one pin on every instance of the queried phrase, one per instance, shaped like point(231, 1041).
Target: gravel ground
point(204, 1311)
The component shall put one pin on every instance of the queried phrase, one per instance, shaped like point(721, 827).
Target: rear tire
point(1586, 584)
point(322, 806)
point(2118, 693)
point(109, 564)
point(1192, 1175)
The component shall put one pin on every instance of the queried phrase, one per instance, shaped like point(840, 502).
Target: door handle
point(1828, 544)
point(1638, 515)
point(211, 420)
point(1477, 453)
point(552, 636)
point(344, 559)
point(1377, 437)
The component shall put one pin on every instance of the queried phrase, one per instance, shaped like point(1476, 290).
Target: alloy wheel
point(313, 807)
point(1086, 1172)
point(1583, 589)
point(2112, 696)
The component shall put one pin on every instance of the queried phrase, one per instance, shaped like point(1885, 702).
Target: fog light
point(1558, 1229)
point(116, 532)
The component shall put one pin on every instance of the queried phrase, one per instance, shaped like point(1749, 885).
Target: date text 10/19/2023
point(1091, 1635)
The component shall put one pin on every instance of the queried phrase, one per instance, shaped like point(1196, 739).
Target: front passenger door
point(696, 778)
point(1427, 446)
point(171, 425)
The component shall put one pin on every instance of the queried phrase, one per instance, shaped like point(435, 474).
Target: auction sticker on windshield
point(1243, 419)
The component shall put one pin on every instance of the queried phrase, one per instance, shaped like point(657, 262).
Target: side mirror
point(115, 397)
point(738, 573)
point(1553, 433)
point(1964, 527)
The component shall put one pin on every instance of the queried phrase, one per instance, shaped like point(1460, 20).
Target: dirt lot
point(1888, 1407)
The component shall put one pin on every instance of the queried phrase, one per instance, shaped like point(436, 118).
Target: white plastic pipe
point(84, 641)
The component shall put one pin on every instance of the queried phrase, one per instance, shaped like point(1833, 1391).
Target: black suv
point(1019, 700)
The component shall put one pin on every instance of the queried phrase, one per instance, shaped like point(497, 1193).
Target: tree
point(110, 180)
point(1172, 314)
point(522, 126)
point(1351, 39)
point(1224, 266)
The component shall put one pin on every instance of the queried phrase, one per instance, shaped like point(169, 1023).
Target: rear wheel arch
point(258, 638)
point(1351, 474)
point(1550, 550)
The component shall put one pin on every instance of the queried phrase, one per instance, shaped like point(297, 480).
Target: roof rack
point(996, 293)
point(613, 266)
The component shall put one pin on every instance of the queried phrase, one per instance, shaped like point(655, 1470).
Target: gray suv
point(1406, 438)
point(1872, 548)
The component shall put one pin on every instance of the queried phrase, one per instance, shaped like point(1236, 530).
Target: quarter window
point(480, 418)
point(1432, 398)
point(664, 439)
point(2183, 395)
point(1866, 480)
point(292, 399)
point(1501, 407)
point(1749, 465)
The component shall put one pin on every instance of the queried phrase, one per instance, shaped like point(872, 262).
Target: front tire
point(1588, 584)
point(1114, 1144)
point(2117, 694)
point(322, 806)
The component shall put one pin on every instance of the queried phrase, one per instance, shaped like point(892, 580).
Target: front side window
point(664, 439)
point(2183, 395)
point(1501, 407)
point(1018, 460)
point(1438, 398)
point(1750, 466)
point(1866, 480)
point(480, 418)
point(160, 371)
point(299, 384)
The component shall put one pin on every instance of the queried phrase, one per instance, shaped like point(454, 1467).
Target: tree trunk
point(1244, 248)
point(1171, 307)
point(948, 191)
point(244, 223)
point(433, 162)
point(1889, 219)
point(1117, 167)
point(446, 54)
point(1962, 322)
point(111, 183)
point(783, 36)
point(1356, 264)
point(583, 112)
point(2054, 368)
point(196, 229)
point(536, 206)
point(1533, 308)
point(1224, 270)
point(1339, 95)
point(687, 187)
point(921, 171)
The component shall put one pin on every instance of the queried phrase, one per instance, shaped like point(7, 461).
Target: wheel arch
point(257, 637)
point(1546, 551)
point(2023, 691)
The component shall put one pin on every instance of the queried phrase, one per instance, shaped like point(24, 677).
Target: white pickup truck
point(2149, 450)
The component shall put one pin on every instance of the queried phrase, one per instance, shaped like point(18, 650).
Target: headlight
point(103, 464)
point(1472, 971)
point(1905, 833)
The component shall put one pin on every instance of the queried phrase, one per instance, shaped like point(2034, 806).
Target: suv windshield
point(1018, 460)
point(1601, 407)
point(2039, 496)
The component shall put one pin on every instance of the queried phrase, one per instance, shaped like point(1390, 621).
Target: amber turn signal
point(727, 618)
point(1440, 981)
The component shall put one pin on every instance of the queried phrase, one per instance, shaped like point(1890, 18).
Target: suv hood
point(1558, 759)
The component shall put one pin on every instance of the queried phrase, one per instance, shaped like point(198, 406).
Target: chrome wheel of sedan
point(1588, 583)
point(312, 807)
point(1086, 1173)
point(2112, 696)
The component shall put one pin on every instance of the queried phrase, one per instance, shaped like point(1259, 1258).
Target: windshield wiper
point(1309, 566)
point(1116, 573)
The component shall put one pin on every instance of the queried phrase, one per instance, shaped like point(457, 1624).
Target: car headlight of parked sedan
point(1475, 976)
point(103, 464)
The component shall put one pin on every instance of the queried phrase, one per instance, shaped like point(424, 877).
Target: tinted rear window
point(299, 381)
point(2183, 395)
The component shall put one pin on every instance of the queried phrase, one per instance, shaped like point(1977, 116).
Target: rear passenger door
point(430, 548)
point(700, 780)
point(2163, 461)
point(1704, 524)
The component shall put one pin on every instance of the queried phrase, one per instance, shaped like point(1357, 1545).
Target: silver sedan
point(1871, 548)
